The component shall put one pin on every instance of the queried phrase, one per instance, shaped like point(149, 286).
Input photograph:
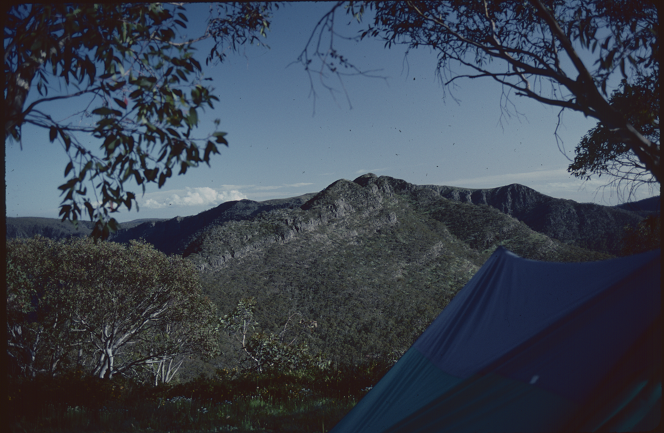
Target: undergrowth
point(228, 402)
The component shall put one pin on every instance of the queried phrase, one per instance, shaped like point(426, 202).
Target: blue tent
point(531, 346)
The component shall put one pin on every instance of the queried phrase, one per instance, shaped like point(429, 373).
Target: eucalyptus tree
point(601, 152)
point(562, 53)
point(104, 308)
point(262, 351)
point(136, 87)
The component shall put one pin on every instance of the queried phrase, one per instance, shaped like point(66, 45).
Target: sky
point(283, 142)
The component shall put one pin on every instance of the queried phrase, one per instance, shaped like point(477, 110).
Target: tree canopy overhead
point(535, 48)
point(136, 82)
point(602, 152)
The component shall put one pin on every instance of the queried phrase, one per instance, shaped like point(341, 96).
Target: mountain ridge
point(586, 225)
point(372, 261)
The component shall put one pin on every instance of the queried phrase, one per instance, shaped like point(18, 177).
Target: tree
point(267, 351)
point(105, 308)
point(522, 46)
point(644, 237)
point(241, 324)
point(139, 89)
point(602, 152)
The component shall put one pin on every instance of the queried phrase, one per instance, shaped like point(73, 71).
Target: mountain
point(28, 227)
point(645, 207)
point(170, 236)
point(174, 235)
point(586, 225)
point(371, 262)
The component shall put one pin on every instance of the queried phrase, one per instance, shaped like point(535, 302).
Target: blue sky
point(281, 145)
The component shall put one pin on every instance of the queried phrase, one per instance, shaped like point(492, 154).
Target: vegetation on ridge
point(371, 262)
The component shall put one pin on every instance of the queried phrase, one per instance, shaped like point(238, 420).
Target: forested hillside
point(585, 225)
point(371, 262)
point(357, 271)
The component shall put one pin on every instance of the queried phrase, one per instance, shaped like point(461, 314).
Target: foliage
point(602, 152)
point(522, 45)
point(139, 89)
point(268, 352)
point(646, 236)
point(302, 401)
point(104, 308)
point(240, 325)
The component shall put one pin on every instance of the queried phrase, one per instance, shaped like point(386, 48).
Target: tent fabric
point(531, 346)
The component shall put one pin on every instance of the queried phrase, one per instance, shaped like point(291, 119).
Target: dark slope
point(645, 207)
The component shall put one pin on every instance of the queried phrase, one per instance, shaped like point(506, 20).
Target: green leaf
point(220, 137)
point(192, 118)
point(89, 208)
point(69, 168)
point(113, 224)
point(209, 149)
point(103, 111)
point(69, 184)
point(120, 102)
point(138, 177)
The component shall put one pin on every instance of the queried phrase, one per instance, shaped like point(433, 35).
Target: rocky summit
point(371, 261)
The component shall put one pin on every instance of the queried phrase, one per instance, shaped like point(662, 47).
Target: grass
point(300, 401)
point(180, 414)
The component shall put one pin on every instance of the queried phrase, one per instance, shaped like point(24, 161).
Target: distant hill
point(174, 235)
point(586, 225)
point(28, 227)
point(645, 207)
point(54, 228)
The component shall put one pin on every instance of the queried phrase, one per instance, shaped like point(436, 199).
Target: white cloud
point(267, 188)
point(201, 196)
point(286, 185)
